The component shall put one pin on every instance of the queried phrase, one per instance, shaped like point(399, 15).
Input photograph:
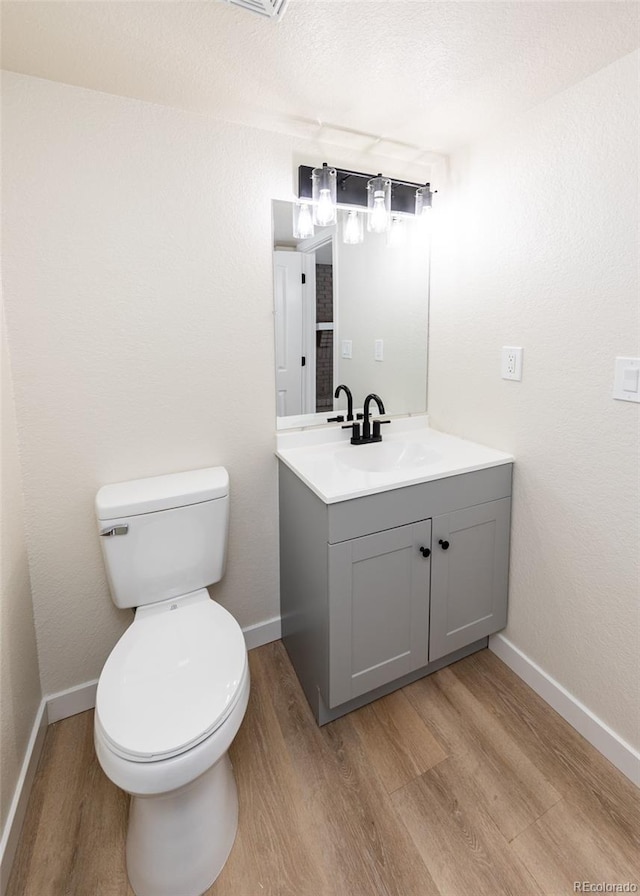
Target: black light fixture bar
point(352, 189)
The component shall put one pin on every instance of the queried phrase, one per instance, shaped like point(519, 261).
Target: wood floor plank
point(457, 837)
point(364, 843)
point(49, 841)
point(99, 860)
point(399, 744)
point(567, 760)
point(512, 787)
point(276, 847)
point(565, 846)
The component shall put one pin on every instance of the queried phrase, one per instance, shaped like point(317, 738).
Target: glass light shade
point(323, 187)
point(396, 234)
point(379, 204)
point(424, 198)
point(302, 220)
point(352, 228)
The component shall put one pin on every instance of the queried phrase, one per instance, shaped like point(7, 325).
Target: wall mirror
point(353, 314)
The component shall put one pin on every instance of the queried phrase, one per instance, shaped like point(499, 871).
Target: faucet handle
point(355, 432)
point(376, 426)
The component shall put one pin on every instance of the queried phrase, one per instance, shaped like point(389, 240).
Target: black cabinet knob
point(444, 544)
point(425, 552)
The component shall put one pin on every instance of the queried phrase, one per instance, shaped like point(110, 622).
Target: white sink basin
point(384, 457)
point(409, 453)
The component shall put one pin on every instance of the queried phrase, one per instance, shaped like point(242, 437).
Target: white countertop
point(322, 458)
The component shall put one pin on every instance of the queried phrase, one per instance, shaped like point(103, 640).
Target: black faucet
point(367, 434)
point(347, 392)
point(366, 427)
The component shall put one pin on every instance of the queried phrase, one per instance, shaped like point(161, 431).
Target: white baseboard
point(72, 701)
point(262, 633)
point(604, 739)
point(18, 808)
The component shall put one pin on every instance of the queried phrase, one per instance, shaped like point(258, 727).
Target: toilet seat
point(172, 679)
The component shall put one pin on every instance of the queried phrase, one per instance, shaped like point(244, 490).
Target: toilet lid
point(172, 678)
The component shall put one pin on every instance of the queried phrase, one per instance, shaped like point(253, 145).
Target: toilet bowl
point(174, 690)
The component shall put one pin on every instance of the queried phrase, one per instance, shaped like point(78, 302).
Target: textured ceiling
point(410, 77)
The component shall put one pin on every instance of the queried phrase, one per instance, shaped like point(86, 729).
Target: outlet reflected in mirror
point(354, 314)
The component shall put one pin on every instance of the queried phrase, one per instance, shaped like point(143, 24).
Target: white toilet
point(174, 690)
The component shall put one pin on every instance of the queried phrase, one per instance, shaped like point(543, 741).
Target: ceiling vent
point(273, 9)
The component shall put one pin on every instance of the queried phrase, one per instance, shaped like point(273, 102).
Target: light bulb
point(379, 217)
point(424, 198)
point(325, 211)
point(323, 194)
point(302, 221)
point(396, 233)
point(379, 204)
point(352, 231)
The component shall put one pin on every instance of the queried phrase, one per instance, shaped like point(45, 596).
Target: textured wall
point(139, 320)
point(19, 676)
point(138, 288)
point(538, 247)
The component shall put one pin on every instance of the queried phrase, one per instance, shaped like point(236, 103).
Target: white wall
point(138, 288)
point(19, 676)
point(538, 247)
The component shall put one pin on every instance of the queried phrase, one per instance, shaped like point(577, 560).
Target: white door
point(287, 267)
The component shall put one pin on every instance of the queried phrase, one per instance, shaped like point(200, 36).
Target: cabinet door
point(378, 609)
point(469, 576)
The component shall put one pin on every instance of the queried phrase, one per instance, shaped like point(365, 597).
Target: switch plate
point(347, 348)
point(378, 350)
point(626, 379)
point(511, 367)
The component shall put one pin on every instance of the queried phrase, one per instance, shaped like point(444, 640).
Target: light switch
point(378, 350)
point(630, 379)
point(347, 348)
point(626, 379)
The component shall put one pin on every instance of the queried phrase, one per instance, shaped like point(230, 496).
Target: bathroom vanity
point(393, 558)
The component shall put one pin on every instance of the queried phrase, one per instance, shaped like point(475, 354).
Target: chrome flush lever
point(115, 530)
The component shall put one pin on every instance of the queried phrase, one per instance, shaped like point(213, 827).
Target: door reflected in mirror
point(353, 314)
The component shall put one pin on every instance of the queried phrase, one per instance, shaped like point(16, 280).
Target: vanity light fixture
point(352, 227)
point(323, 194)
point(327, 187)
point(302, 220)
point(379, 204)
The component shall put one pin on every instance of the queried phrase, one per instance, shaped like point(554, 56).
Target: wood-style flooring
point(462, 784)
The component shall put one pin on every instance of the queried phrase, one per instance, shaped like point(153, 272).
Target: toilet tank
point(164, 536)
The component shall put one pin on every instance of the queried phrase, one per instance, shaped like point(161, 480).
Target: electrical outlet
point(511, 363)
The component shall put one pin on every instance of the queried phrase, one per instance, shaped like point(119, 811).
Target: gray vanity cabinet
point(380, 590)
point(378, 609)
